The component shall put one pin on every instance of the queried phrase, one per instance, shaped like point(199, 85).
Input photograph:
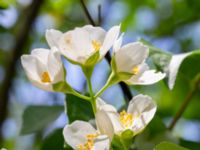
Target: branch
point(87, 13)
point(125, 89)
point(99, 15)
point(185, 103)
point(16, 53)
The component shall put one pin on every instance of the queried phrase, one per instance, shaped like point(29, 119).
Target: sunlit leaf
point(169, 146)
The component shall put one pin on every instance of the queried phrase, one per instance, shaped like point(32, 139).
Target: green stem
point(81, 96)
point(92, 99)
point(185, 103)
point(108, 83)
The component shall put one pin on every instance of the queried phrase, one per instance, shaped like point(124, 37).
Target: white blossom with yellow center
point(81, 43)
point(140, 112)
point(130, 58)
point(43, 67)
point(81, 135)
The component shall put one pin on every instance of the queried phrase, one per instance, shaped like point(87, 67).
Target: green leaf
point(169, 146)
point(35, 118)
point(78, 109)
point(55, 141)
point(190, 144)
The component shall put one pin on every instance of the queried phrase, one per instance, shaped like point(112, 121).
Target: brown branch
point(16, 53)
point(87, 13)
point(125, 89)
point(185, 103)
point(99, 15)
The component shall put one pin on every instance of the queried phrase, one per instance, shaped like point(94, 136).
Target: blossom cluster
point(86, 46)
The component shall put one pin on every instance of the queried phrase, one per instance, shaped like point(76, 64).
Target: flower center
point(45, 77)
point(68, 39)
point(90, 142)
point(126, 119)
point(96, 45)
point(135, 70)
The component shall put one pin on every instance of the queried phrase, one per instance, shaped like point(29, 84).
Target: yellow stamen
point(90, 142)
point(68, 39)
point(45, 77)
point(96, 45)
point(135, 70)
point(126, 118)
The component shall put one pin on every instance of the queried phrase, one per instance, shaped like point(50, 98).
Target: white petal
point(53, 37)
point(99, 102)
point(34, 68)
point(114, 118)
point(173, 67)
point(130, 55)
point(44, 86)
point(143, 109)
point(76, 133)
point(104, 124)
point(76, 45)
point(118, 43)
point(41, 54)
point(55, 66)
point(147, 78)
point(102, 142)
point(109, 40)
point(96, 33)
point(30, 65)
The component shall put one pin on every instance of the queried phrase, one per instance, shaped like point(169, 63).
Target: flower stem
point(108, 83)
point(185, 104)
point(92, 99)
point(80, 96)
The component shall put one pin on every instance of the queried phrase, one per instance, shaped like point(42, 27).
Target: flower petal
point(31, 65)
point(76, 133)
point(53, 37)
point(104, 124)
point(76, 45)
point(109, 40)
point(102, 142)
point(96, 33)
point(55, 66)
point(173, 67)
point(41, 54)
point(147, 78)
point(34, 68)
point(99, 102)
point(118, 43)
point(130, 55)
point(143, 109)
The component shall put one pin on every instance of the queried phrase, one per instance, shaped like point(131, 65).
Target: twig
point(87, 13)
point(99, 15)
point(185, 104)
point(125, 89)
point(17, 51)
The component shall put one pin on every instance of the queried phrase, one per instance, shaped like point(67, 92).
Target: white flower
point(53, 37)
point(174, 66)
point(81, 135)
point(43, 67)
point(140, 112)
point(130, 61)
point(87, 45)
